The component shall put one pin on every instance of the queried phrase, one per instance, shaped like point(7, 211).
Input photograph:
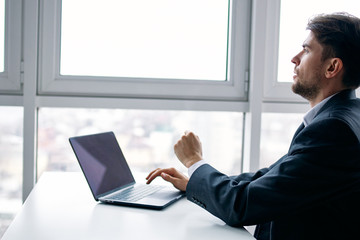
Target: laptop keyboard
point(134, 194)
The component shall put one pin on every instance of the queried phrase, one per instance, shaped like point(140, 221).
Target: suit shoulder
point(344, 114)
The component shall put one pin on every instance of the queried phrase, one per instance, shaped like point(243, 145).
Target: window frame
point(275, 91)
point(11, 77)
point(235, 89)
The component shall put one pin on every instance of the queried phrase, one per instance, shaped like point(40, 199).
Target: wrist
point(195, 166)
point(191, 162)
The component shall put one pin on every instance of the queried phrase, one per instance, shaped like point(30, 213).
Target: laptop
point(110, 178)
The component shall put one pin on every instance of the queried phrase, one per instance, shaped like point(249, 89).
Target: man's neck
point(323, 95)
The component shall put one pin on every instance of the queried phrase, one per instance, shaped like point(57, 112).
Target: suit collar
point(310, 115)
point(344, 95)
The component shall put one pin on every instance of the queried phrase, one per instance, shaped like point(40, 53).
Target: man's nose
point(296, 60)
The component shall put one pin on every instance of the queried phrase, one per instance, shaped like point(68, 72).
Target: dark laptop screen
point(102, 162)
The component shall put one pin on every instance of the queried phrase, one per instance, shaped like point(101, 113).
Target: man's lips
point(295, 74)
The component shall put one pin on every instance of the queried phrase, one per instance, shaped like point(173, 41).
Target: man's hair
point(339, 34)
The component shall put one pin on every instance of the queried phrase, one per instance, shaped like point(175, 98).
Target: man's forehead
point(311, 41)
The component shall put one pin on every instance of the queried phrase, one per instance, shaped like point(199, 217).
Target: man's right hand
point(188, 149)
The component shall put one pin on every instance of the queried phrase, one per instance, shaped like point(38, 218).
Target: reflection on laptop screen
point(102, 160)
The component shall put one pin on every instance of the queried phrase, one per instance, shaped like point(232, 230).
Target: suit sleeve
point(318, 167)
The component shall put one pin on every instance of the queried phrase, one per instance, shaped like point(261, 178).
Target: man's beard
point(309, 91)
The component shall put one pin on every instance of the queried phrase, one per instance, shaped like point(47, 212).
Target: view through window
point(11, 142)
point(277, 130)
point(147, 39)
point(146, 137)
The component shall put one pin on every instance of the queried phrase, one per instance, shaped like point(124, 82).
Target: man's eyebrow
point(305, 45)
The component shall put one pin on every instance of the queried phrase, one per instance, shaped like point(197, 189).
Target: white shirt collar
point(309, 116)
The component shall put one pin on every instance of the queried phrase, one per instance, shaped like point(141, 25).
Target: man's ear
point(334, 67)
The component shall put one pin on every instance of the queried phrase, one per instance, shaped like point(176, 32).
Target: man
point(313, 191)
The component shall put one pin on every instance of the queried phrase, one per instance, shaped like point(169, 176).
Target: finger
point(174, 173)
point(152, 172)
point(179, 183)
point(151, 178)
point(171, 179)
point(167, 177)
point(197, 137)
point(155, 174)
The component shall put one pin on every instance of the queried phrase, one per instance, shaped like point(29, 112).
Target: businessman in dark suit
point(313, 191)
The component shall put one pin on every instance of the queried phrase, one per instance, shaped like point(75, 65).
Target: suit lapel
point(301, 127)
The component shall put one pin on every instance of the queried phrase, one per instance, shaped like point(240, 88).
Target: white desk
point(62, 207)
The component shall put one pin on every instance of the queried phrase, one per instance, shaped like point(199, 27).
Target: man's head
point(331, 51)
point(339, 34)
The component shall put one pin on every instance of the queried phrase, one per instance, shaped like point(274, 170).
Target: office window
point(146, 137)
point(11, 141)
point(10, 46)
point(148, 39)
point(277, 130)
point(287, 32)
point(2, 34)
point(195, 49)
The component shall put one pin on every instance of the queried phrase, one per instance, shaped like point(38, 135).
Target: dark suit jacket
point(313, 192)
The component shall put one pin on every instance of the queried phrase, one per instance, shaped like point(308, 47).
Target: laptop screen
point(102, 162)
